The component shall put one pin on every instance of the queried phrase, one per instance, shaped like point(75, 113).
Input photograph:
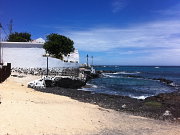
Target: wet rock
point(163, 80)
point(135, 76)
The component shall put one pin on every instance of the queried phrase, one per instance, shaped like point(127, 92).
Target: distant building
point(72, 57)
point(39, 40)
point(30, 54)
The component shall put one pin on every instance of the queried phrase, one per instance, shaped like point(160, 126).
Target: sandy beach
point(25, 111)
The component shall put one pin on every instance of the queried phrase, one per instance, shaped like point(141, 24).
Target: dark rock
point(69, 83)
point(107, 71)
point(163, 80)
point(49, 83)
point(135, 76)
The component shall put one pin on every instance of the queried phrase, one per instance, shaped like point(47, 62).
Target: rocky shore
point(162, 107)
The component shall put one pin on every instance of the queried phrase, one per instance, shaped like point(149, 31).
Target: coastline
point(26, 111)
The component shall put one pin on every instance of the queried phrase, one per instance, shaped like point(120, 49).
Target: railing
point(70, 72)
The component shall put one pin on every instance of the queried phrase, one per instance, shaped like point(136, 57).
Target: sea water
point(135, 81)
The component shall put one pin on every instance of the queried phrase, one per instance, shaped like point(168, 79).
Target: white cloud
point(173, 11)
point(162, 34)
point(155, 42)
point(118, 5)
point(151, 42)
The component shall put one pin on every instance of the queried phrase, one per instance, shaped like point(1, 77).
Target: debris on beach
point(124, 106)
point(167, 113)
point(37, 84)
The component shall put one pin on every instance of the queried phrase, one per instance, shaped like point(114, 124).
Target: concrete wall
point(29, 55)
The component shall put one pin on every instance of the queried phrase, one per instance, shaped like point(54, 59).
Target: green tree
point(58, 45)
point(19, 37)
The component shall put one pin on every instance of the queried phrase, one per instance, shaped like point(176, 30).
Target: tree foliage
point(19, 37)
point(58, 45)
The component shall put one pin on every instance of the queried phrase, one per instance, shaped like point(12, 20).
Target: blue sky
point(119, 32)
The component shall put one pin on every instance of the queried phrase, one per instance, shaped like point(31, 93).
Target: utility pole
point(87, 60)
point(47, 62)
point(47, 66)
point(0, 44)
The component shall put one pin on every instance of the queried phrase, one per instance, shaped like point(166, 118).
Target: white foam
point(108, 75)
point(92, 85)
point(128, 73)
point(139, 97)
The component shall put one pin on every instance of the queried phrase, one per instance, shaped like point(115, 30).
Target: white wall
point(30, 57)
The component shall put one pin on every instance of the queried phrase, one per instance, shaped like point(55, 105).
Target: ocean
point(136, 81)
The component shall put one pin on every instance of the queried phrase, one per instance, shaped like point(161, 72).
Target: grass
point(153, 104)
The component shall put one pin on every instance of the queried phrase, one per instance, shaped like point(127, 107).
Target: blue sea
point(135, 81)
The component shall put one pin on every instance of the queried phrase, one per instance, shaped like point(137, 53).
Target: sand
point(25, 111)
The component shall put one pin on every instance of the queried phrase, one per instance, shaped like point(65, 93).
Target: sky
point(114, 32)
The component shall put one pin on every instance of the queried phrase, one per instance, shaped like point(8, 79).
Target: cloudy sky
point(118, 32)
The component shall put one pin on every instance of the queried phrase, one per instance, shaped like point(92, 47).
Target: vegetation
point(19, 37)
point(58, 45)
point(153, 103)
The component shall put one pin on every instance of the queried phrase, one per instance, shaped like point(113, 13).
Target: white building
point(39, 40)
point(30, 54)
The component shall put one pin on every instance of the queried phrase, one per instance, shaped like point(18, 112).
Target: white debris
point(124, 106)
point(37, 84)
point(167, 113)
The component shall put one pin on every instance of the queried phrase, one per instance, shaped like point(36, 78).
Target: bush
point(19, 37)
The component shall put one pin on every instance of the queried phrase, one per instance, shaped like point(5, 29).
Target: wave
point(110, 76)
point(92, 85)
point(113, 93)
point(173, 84)
point(84, 89)
point(126, 73)
point(140, 97)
